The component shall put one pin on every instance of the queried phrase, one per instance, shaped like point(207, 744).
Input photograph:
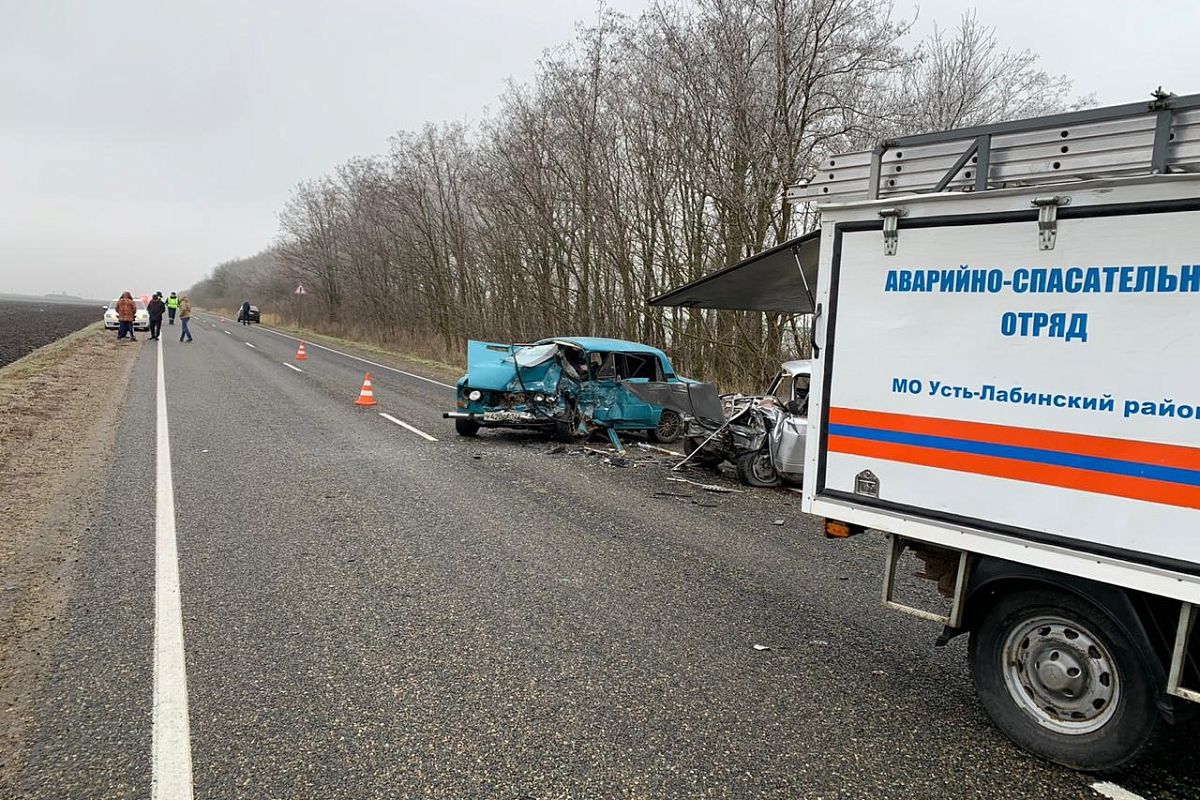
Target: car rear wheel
point(1062, 679)
point(466, 427)
point(669, 428)
point(757, 469)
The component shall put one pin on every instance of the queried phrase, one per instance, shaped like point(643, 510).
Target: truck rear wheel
point(1063, 680)
point(466, 427)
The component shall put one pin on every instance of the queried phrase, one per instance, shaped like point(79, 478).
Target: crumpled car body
point(762, 435)
point(571, 385)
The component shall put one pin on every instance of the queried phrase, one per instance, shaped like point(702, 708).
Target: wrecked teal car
point(571, 387)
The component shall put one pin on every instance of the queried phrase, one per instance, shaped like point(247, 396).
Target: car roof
point(799, 367)
point(607, 345)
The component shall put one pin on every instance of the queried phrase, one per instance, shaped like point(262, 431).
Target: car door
point(636, 368)
point(791, 431)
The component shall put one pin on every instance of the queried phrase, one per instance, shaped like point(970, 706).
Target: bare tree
point(644, 153)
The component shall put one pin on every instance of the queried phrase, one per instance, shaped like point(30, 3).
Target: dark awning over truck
point(767, 281)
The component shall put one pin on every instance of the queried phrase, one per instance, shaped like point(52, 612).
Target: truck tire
point(669, 428)
point(704, 459)
point(466, 427)
point(757, 469)
point(1063, 680)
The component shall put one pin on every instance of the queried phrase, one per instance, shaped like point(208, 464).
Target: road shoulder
point(60, 406)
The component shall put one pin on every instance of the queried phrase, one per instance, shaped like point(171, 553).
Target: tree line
point(643, 154)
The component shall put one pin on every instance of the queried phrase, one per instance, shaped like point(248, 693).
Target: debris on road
point(657, 449)
point(708, 487)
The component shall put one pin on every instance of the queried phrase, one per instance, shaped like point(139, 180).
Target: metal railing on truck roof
point(1156, 137)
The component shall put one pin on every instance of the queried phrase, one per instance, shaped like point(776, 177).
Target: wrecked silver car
point(571, 386)
point(761, 435)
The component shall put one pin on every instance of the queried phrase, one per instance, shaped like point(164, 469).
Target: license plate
point(504, 416)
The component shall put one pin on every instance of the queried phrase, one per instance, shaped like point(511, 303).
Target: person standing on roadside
point(172, 307)
point(156, 307)
point(126, 311)
point(245, 315)
point(185, 313)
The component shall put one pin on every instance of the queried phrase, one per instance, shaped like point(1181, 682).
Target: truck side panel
point(1051, 395)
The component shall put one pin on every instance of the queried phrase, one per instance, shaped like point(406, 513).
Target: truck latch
point(866, 483)
point(891, 232)
point(1048, 219)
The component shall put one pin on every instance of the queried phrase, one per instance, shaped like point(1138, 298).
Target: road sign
point(301, 290)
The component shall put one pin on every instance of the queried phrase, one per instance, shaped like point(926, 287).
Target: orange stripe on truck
point(1134, 488)
point(1167, 455)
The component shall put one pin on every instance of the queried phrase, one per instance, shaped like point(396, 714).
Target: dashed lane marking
point(252, 347)
point(1114, 792)
point(376, 364)
point(406, 426)
point(291, 366)
point(228, 333)
point(171, 743)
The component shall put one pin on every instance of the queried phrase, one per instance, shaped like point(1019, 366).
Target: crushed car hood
point(493, 366)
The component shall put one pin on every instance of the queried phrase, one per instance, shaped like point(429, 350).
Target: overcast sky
point(142, 143)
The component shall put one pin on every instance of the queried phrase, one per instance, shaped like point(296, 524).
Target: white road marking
point(171, 743)
point(376, 364)
point(406, 426)
point(228, 333)
point(252, 347)
point(291, 366)
point(1114, 792)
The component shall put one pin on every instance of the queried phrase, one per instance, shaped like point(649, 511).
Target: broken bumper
point(517, 418)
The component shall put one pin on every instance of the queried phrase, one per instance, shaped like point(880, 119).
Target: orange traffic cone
point(222, 320)
point(300, 356)
point(367, 396)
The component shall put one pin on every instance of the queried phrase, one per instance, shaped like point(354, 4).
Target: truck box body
point(1006, 324)
point(978, 391)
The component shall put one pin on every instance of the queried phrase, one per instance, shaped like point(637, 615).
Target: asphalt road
point(367, 613)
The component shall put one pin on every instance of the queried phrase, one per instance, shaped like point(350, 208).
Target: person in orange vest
point(126, 311)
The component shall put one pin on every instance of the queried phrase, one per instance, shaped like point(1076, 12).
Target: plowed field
point(26, 325)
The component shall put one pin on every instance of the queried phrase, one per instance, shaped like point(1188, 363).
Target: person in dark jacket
point(157, 308)
point(126, 311)
point(245, 315)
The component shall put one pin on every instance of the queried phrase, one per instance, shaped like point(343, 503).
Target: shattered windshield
point(537, 354)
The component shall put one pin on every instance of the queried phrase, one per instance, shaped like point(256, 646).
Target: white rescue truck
point(1007, 384)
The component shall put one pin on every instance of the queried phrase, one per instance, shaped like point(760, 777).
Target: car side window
point(800, 388)
point(604, 366)
point(781, 388)
point(638, 365)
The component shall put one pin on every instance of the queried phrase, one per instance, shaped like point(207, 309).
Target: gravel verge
point(58, 411)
